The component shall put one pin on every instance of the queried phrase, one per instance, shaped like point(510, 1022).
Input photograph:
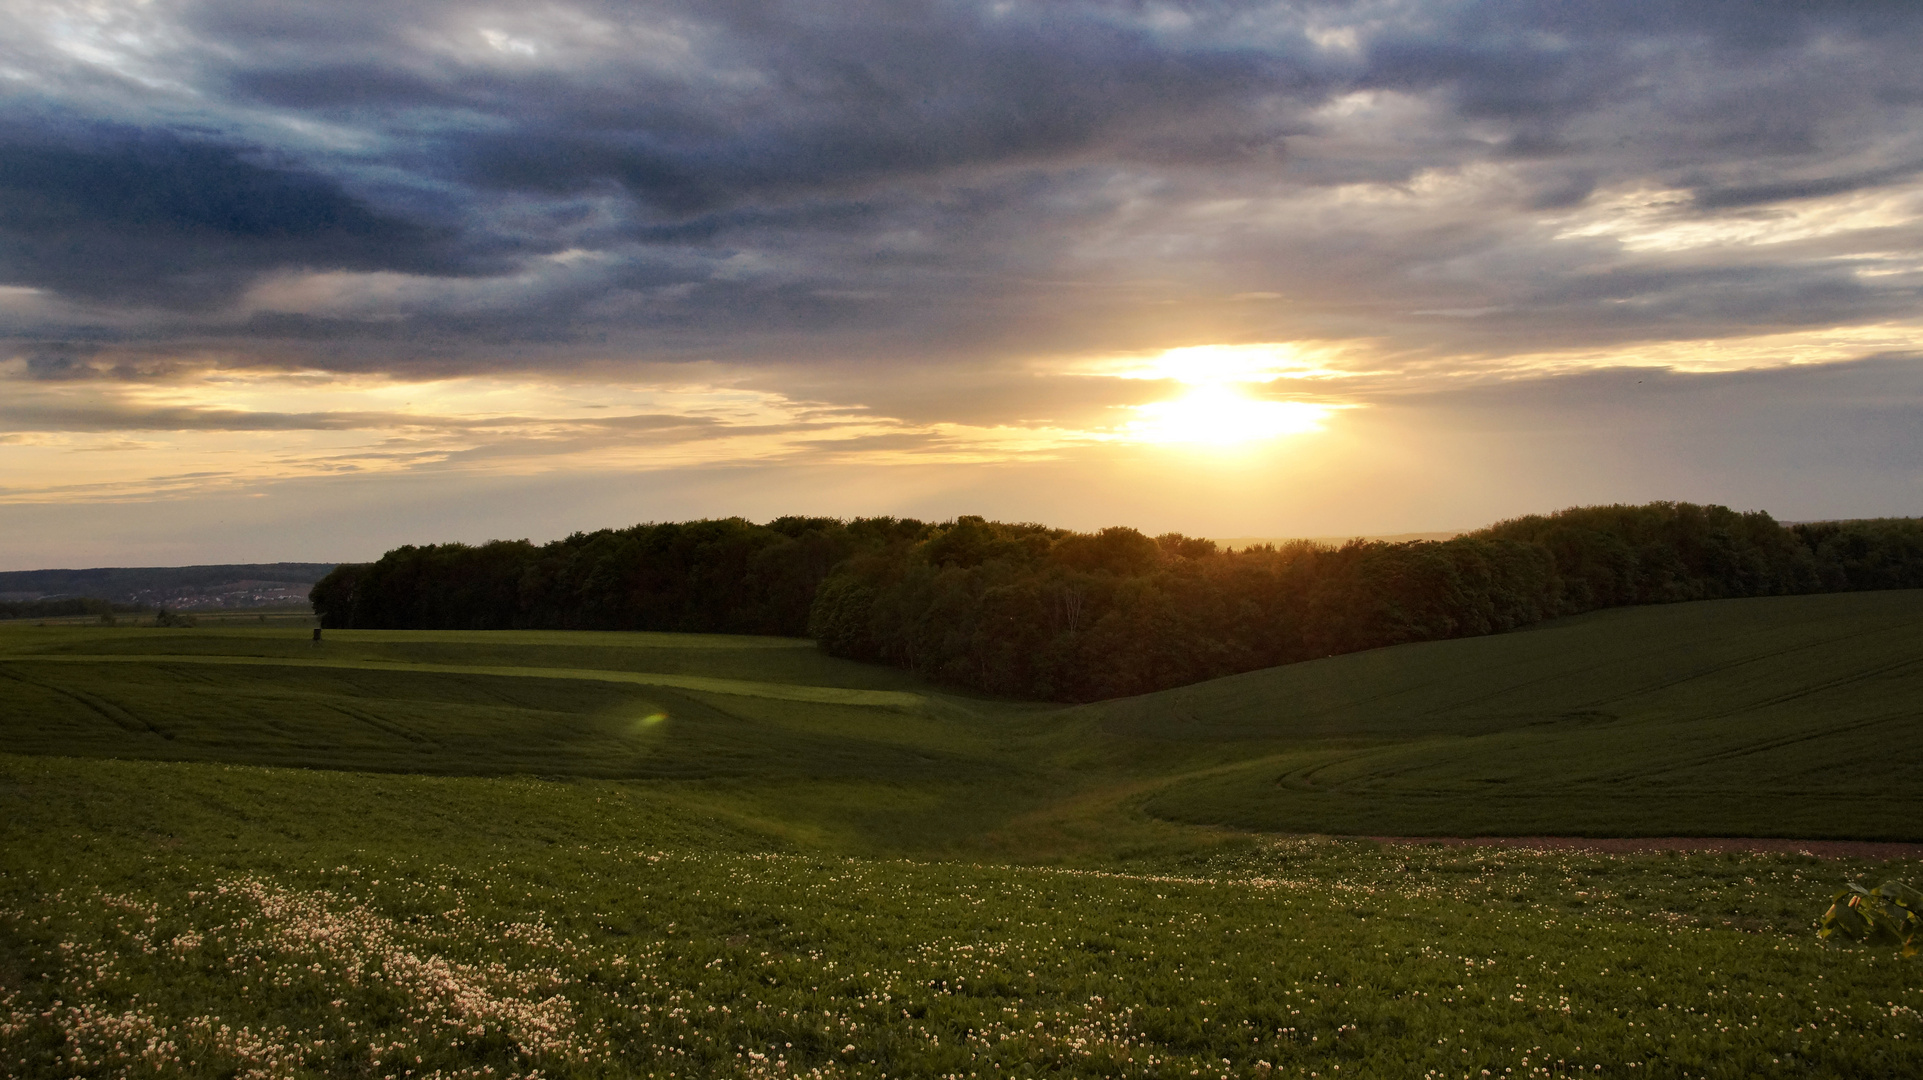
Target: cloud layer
point(585, 180)
point(925, 223)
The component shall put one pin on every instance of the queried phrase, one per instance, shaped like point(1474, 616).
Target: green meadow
point(231, 851)
point(1793, 716)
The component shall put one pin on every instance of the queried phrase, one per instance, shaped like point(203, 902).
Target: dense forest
point(1038, 612)
point(727, 576)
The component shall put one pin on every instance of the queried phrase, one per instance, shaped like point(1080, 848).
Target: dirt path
point(1824, 849)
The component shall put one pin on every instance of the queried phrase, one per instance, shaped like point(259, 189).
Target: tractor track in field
point(1880, 850)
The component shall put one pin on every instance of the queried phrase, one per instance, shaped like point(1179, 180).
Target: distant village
point(187, 588)
point(237, 594)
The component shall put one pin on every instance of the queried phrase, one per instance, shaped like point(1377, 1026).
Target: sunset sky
point(304, 281)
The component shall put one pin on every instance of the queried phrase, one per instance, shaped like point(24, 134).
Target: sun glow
point(1216, 407)
point(1218, 414)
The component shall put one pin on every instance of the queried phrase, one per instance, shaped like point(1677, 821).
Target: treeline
point(727, 576)
point(1037, 612)
point(1027, 612)
point(64, 607)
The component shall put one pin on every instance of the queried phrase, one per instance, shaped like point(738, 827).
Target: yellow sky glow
point(231, 429)
point(1222, 364)
point(1218, 414)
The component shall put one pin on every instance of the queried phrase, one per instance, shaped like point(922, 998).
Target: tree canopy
point(1038, 612)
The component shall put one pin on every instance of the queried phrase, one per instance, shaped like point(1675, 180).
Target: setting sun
point(1219, 414)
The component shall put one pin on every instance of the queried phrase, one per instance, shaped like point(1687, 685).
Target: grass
point(1793, 716)
point(175, 918)
point(226, 852)
point(867, 755)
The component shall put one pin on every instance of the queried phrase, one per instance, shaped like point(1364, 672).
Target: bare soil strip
point(1624, 845)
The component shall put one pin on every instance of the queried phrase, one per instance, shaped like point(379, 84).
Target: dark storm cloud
point(152, 217)
point(758, 180)
point(846, 106)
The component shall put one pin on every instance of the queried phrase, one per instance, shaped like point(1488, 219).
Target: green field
point(230, 851)
point(1794, 716)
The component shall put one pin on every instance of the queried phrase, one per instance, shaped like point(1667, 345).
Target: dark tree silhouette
point(1030, 611)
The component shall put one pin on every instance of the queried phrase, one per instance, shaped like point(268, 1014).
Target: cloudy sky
point(294, 280)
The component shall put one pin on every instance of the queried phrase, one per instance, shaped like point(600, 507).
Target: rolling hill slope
point(1793, 716)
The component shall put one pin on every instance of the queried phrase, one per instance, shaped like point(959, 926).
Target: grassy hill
point(1791, 716)
point(768, 726)
point(412, 855)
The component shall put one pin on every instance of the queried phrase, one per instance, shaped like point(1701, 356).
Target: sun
point(1220, 414)
point(1217, 407)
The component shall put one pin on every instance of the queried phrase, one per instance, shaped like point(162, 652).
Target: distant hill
point(232, 585)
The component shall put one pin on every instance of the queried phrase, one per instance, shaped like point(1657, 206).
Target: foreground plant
point(1890, 914)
